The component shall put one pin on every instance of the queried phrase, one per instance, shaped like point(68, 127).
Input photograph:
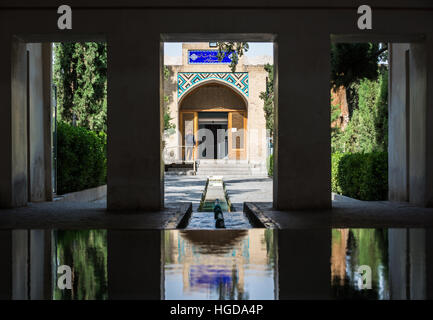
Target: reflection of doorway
point(212, 139)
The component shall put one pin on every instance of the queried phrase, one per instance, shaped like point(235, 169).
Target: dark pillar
point(134, 264)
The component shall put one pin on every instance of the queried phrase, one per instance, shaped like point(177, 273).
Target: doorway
point(213, 140)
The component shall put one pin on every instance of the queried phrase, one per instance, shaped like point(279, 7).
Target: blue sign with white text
point(207, 57)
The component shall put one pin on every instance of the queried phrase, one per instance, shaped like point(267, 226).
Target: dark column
point(41, 255)
point(302, 176)
point(135, 171)
point(14, 265)
point(304, 270)
point(134, 264)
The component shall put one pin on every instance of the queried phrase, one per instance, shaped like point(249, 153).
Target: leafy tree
point(335, 114)
point(268, 99)
point(367, 130)
point(235, 49)
point(167, 118)
point(352, 62)
point(80, 75)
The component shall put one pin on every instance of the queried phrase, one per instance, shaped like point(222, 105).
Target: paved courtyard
point(240, 189)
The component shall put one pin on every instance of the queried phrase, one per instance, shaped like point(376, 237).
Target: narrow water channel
point(204, 218)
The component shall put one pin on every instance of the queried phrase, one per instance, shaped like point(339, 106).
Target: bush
point(362, 176)
point(270, 165)
point(335, 160)
point(81, 158)
point(367, 130)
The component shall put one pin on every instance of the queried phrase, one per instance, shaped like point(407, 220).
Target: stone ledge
point(181, 219)
point(87, 195)
point(346, 213)
point(257, 218)
point(91, 215)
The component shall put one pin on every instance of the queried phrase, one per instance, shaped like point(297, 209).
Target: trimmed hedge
point(270, 165)
point(363, 176)
point(81, 158)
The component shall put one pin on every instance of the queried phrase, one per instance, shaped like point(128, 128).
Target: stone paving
point(248, 189)
point(240, 189)
point(346, 212)
point(184, 189)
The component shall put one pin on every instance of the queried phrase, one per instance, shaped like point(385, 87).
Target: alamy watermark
point(65, 280)
point(364, 277)
point(364, 21)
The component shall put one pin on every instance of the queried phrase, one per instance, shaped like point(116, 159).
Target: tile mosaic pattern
point(188, 80)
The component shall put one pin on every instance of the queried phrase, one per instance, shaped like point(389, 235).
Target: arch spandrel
point(186, 81)
point(213, 95)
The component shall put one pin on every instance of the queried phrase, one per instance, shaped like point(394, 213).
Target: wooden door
point(237, 131)
point(188, 124)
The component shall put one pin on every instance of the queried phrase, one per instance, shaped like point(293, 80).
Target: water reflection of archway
point(222, 264)
point(214, 242)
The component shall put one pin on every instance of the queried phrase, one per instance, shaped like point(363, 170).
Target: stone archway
point(214, 111)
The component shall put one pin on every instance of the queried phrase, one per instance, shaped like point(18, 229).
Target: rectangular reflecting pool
point(217, 264)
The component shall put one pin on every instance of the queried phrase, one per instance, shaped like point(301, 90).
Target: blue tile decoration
point(188, 80)
point(207, 57)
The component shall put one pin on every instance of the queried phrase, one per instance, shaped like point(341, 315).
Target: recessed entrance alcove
point(217, 114)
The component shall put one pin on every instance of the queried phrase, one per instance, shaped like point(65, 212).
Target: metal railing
point(182, 153)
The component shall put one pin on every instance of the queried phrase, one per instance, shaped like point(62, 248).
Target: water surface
point(241, 264)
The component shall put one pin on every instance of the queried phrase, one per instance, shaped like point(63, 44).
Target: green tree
point(367, 130)
point(352, 62)
point(268, 99)
point(168, 125)
point(235, 49)
point(80, 75)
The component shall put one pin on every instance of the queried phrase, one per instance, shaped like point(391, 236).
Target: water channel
point(215, 192)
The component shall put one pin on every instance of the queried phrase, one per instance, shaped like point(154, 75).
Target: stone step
point(223, 169)
point(221, 161)
point(222, 175)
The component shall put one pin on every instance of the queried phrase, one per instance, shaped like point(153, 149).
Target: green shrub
point(335, 160)
point(270, 165)
point(367, 130)
point(362, 176)
point(81, 158)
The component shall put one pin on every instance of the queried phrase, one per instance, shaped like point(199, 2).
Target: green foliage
point(335, 160)
point(86, 252)
point(270, 165)
point(168, 125)
point(268, 99)
point(367, 130)
point(236, 49)
point(363, 176)
point(351, 62)
point(80, 75)
point(335, 111)
point(81, 158)
point(363, 247)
